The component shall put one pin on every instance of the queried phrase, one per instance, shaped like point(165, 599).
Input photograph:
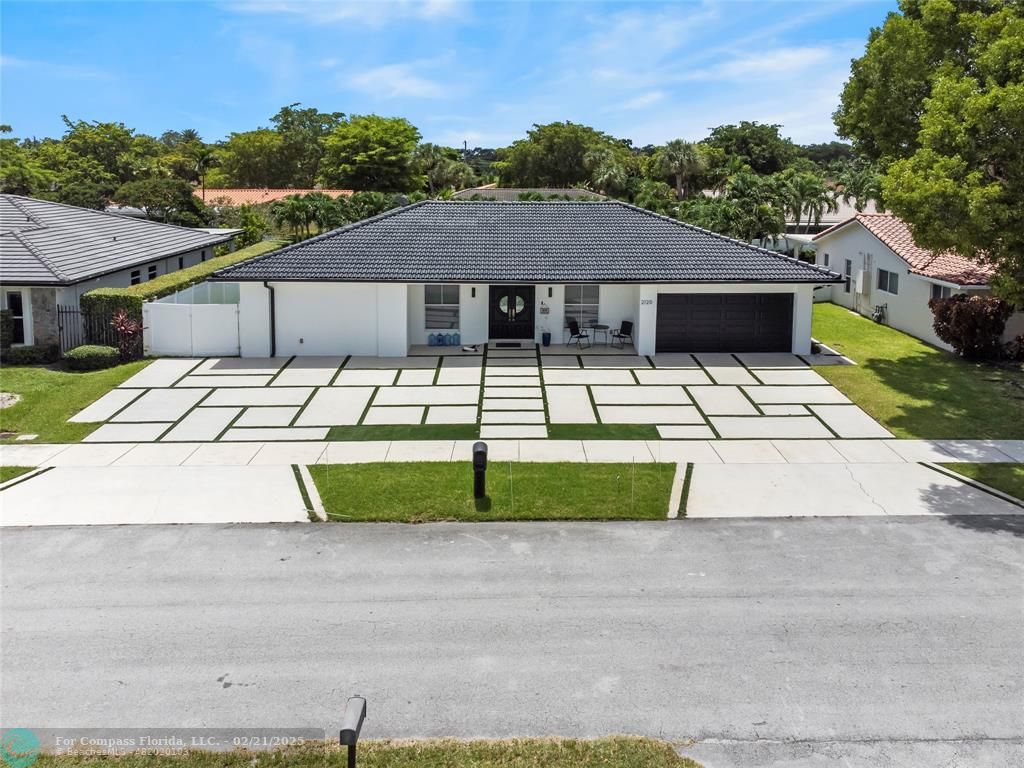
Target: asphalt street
point(792, 642)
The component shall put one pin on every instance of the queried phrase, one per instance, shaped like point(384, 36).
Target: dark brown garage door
point(724, 322)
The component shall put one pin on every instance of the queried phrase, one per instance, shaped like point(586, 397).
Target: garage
point(724, 322)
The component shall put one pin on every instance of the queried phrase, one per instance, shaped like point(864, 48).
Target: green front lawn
point(50, 396)
point(9, 473)
point(918, 391)
point(1008, 478)
point(419, 492)
point(614, 752)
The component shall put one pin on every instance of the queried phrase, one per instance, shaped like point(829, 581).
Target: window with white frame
point(941, 291)
point(888, 282)
point(824, 259)
point(151, 272)
point(136, 277)
point(582, 304)
point(441, 307)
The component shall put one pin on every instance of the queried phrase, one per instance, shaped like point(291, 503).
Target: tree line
point(741, 180)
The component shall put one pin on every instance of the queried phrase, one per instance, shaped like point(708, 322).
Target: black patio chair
point(575, 334)
point(624, 331)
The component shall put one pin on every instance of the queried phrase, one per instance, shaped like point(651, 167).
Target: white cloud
point(54, 69)
point(370, 12)
point(397, 80)
point(640, 102)
point(783, 62)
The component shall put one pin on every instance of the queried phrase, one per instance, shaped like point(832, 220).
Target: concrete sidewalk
point(836, 490)
point(227, 454)
point(132, 495)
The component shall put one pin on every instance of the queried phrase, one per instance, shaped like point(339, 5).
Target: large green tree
point(683, 161)
point(938, 97)
point(303, 133)
point(554, 155)
point(758, 145)
point(255, 159)
point(369, 152)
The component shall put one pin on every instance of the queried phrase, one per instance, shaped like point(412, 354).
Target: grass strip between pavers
point(405, 432)
point(611, 752)
point(603, 432)
point(418, 492)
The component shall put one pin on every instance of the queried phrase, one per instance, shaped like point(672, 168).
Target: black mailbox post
point(479, 470)
point(351, 725)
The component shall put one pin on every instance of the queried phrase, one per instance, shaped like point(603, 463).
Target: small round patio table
point(600, 328)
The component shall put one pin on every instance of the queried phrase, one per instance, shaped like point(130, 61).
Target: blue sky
point(482, 72)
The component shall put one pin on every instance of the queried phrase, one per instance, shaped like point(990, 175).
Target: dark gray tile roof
point(42, 242)
point(511, 194)
point(563, 242)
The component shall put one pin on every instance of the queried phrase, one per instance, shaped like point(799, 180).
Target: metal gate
point(75, 327)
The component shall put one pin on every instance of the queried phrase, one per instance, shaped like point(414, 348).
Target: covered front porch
point(457, 315)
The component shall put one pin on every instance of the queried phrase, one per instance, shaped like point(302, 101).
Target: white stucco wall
point(908, 311)
point(324, 319)
point(253, 320)
point(647, 319)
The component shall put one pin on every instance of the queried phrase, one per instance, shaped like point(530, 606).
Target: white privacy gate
point(190, 330)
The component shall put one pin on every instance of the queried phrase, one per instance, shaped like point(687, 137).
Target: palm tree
point(204, 157)
point(608, 176)
point(861, 184)
point(293, 212)
point(683, 160)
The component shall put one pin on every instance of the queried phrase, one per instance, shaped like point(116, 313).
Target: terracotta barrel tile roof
point(259, 195)
point(895, 234)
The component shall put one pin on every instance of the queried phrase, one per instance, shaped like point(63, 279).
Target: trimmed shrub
point(31, 355)
point(972, 325)
point(92, 357)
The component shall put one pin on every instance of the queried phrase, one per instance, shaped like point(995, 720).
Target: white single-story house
point(51, 253)
point(511, 271)
point(883, 267)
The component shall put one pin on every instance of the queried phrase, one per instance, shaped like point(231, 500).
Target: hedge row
point(30, 355)
point(91, 357)
point(106, 301)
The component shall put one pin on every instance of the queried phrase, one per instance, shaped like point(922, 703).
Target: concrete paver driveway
point(503, 394)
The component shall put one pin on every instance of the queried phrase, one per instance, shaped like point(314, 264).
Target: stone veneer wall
point(44, 317)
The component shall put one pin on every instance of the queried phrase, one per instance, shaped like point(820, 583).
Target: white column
point(646, 328)
point(803, 307)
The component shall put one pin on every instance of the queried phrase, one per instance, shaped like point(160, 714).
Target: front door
point(511, 312)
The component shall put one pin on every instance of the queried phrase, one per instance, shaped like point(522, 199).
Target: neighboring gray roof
point(511, 194)
point(46, 243)
point(565, 242)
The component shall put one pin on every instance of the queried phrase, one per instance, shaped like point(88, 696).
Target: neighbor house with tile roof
point(475, 272)
point(257, 195)
point(51, 253)
point(882, 266)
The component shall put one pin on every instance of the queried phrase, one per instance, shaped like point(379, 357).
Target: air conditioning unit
point(863, 282)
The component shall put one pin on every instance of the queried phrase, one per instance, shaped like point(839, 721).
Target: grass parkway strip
point(420, 492)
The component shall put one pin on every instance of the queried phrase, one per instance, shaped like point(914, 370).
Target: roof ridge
point(326, 235)
point(42, 259)
point(688, 225)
